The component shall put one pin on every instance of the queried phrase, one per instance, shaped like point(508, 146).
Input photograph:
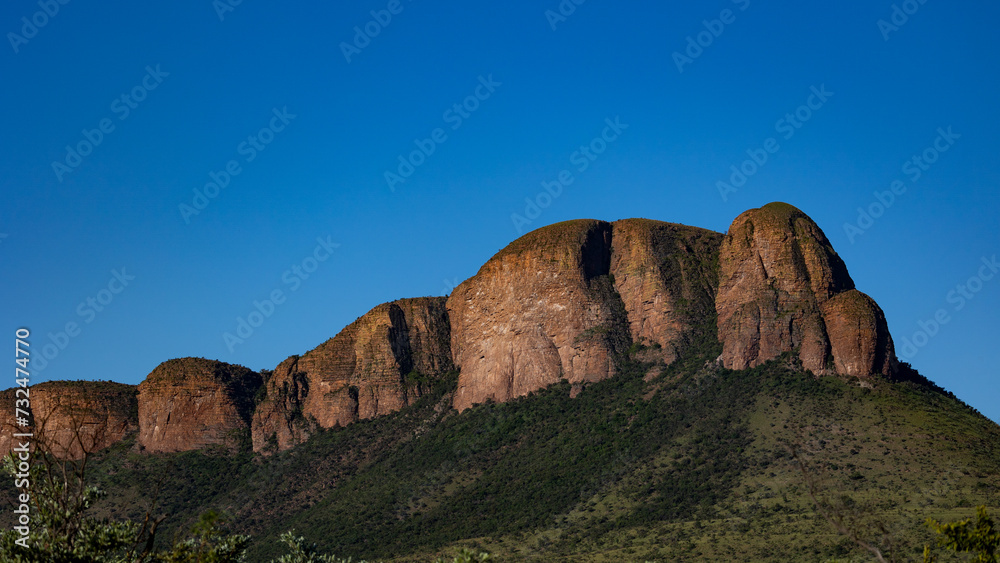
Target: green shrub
point(980, 538)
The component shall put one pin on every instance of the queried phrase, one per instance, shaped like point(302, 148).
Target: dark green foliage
point(62, 527)
point(980, 538)
point(65, 529)
point(261, 395)
point(615, 331)
point(417, 378)
point(208, 544)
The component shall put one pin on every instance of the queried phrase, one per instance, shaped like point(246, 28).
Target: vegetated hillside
point(692, 465)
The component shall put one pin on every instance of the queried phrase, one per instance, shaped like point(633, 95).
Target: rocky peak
point(564, 300)
point(541, 310)
point(666, 275)
point(783, 288)
point(192, 403)
point(381, 362)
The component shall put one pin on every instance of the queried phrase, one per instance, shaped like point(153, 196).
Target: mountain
point(598, 391)
point(563, 301)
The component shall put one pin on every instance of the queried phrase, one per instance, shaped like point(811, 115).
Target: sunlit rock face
point(782, 288)
point(378, 364)
point(193, 403)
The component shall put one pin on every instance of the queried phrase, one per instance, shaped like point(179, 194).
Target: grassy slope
point(690, 466)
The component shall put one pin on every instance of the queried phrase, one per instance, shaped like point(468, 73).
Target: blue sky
point(694, 87)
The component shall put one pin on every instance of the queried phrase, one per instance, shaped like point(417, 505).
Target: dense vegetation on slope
point(693, 464)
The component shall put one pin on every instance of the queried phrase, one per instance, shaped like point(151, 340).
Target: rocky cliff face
point(783, 288)
point(562, 301)
point(73, 417)
point(666, 275)
point(860, 343)
point(380, 363)
point(541, 310)
point(192, 403)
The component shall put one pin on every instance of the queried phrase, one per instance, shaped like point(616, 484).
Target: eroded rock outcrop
point(541, 310)
point(192, 403)
point(666, 275)
point(73, 417)
point(859, 338)
point(783, 288)
point(561, 301)
point(376, 365)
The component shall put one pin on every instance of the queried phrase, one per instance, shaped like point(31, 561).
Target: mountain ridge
point(561, 302)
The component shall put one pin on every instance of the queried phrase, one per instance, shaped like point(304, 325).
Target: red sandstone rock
point(778, 271)
point(859, 337)
point(560, 302)
point(73, 417)
point(666, 276)
point(537, 312)
point(542, 309)
point(191, 403)
point(377, 365)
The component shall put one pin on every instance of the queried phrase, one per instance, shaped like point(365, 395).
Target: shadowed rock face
point(782, 288)
point(73, 417)
point(375, 366)
point(666, 275)
point(191, 403)
point(541, 310)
